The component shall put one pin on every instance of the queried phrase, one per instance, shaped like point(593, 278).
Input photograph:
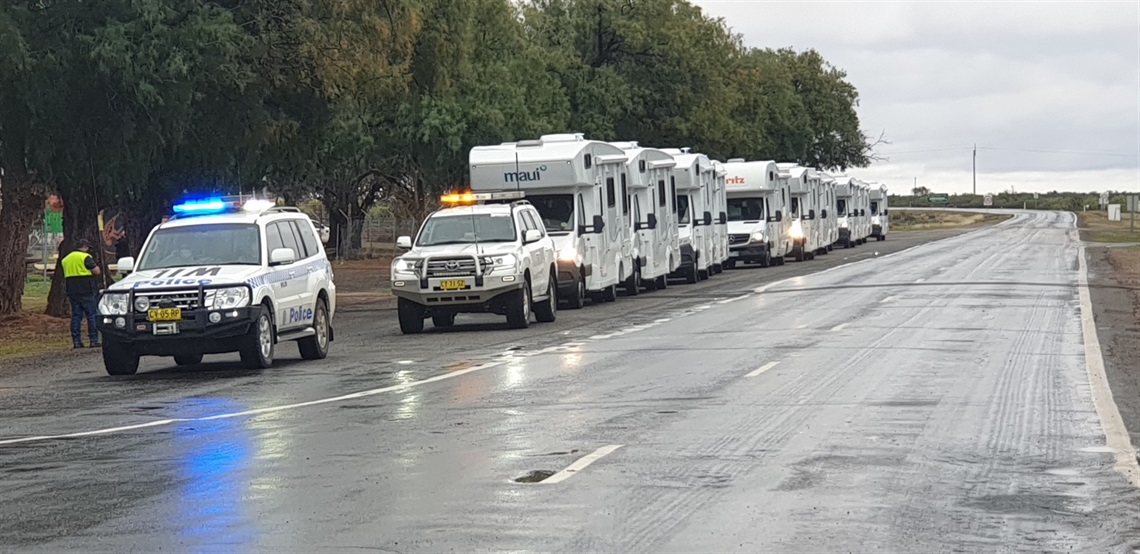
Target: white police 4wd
point(480, 258)
point(221, 277)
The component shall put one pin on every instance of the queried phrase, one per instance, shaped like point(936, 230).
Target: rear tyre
point(119, 359)
point(188, 359)
point(717, 269)
point(691, 274)
point(882, 238)
point(610, 294)
point(651, 285)
point(518, 308)
point(411, 316)
point(830, 247)
point(547, 311)
point(316, 347)
point(662, 282)
point(257, 352)
point(443, 321)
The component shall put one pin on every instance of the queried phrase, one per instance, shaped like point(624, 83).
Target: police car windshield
point(468, 229)
point(745, 209)
point(225, 244)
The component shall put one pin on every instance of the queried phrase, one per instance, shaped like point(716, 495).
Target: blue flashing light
point(201, 207)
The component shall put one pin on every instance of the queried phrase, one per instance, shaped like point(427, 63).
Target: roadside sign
point(938, 199)
point(1133, 200)
point(988, 200)
point(1104, 199)
point(1035, 197)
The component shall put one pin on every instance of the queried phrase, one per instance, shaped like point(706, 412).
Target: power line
point(1075, 152)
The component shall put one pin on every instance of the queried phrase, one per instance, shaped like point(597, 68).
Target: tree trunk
point(80, 221)
point(20, 203)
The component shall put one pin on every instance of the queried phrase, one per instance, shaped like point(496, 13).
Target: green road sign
point(53, 221)
point(938, 199)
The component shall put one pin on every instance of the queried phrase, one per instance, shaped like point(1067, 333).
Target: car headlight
point(797, 230)
point(224, 299)
point(875, 220)
point(758, 237)
point(843, 223)
point(400, 265)
point(114, 303)
point(501, 263)
point(142, 303)
point(568, 254)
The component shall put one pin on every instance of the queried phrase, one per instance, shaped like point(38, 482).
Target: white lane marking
point(839, 327)
point(106, 431)
point(762, 369)
point(919, 280)
point(804, 326)
point(579, 465)
point(733, 299)
point(1115, 434)
point(888, 299)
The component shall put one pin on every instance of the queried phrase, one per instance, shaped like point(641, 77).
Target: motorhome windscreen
point(468, 229)
point(557, 211)
point(745, 209)
point(683, 209)
point(841, 206)
point(794, 207)
point(874, 208)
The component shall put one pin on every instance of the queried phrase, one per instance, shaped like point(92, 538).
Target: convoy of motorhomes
point(656, 247)
point(574, 183)
point(588, 217)
point(880, 215)
point(757, 229)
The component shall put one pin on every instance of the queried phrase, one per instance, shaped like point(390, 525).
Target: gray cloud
point(1062, 77)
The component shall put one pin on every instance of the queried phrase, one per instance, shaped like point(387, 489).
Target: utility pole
point(975, 169)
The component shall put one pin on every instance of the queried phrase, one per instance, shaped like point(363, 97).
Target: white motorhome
point(656, 246)
point(693, 176)
point(880, 215)
point(845, 188)
point(757, 230)
point(828, 220)
point(719, 211)
point(860, 220)
point(801, 210)
point(574, 184)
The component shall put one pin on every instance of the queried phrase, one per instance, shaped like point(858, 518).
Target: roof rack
point(282, 209)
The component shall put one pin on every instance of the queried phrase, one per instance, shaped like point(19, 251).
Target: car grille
point(187, 300)
point(738, 238)
point(451, 267)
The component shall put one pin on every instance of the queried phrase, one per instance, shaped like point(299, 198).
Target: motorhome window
point(874, 208)
point(745, 209)
point(841, 206)
point(683, 209)
point(636, 209)
point(611, 195)
point(468, 229)
point(673, 187)
point(581, 211)
point(624, 195)
point(589, 161)
point(661, 192)
point(795, 207)
point(556, 211)
point(641, 166)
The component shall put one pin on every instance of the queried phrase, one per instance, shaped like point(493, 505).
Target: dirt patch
point(1095, 227)
point(917, 220)
point(27, 333)
point(1114, 286)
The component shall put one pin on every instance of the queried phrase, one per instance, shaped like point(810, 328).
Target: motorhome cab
point(656, 249)
point(576, 186)
point(801, 198)
point(844, 209)
point(828, 222)
point(692, 177)
point(720, 217)
point(756, 232)
point(880, 216)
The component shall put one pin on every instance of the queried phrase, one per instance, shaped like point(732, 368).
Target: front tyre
point(316, 347)
point(443, 321)
point(257, 352)
point(578, 300)
point(119, 359)
point(610, 294)
point(518, 308)
point(547, 311)
point(188, 359)
point(411, 316)
point(633, 284)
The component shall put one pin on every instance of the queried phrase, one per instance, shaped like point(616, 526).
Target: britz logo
point(297, 315)
point(524, 176)
point(734, 181)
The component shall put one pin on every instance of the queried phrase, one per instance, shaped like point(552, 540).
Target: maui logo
point(524, 176)
point(298, 315)
point(734, 181)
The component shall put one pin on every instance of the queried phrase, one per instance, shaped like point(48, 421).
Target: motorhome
point(574, 183)
point(880, 215)
point(860, 219)
point(656, 247)
point(828, 220)
point(844, 209)
point(720, 217)
point(692, 176)
point(757, 229)
point(802, 210)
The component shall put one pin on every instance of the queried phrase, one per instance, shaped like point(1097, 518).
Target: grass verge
point(1095, 227)
point(28, 333)
point(921, 220)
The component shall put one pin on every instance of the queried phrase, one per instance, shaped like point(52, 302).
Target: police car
point(221, 276)
point(474, 257)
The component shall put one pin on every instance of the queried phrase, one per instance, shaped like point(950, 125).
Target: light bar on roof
point(464, 198)
point(200, 207)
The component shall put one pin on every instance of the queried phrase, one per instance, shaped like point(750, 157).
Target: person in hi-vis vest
point(80, 274)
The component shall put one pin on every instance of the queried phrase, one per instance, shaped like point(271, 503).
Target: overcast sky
point(1012, 77)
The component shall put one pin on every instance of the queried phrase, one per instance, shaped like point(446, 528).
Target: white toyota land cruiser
point(221, 277)
point(477, 258)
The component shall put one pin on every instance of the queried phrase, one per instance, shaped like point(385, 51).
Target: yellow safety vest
point(73, 265)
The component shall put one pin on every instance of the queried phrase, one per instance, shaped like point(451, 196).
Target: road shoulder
point(1114, 287)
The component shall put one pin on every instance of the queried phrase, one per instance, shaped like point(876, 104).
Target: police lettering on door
point(299, 315)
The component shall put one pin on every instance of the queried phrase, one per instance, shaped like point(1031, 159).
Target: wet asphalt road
point(932, 400)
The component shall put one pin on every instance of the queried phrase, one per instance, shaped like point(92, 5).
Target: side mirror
point(886, 211)
point(651, 219)
point(126, 265)
point(811, 214)
point(599, 224)
point(324, 235)
point(776, 218)
point(532, 235)
point(708, 218)
point(723, 218)
point(863, 213)
point(823, 214)
point(282, 256)
point(404, 242)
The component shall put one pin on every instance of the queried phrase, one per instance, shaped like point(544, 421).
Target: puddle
point(566, 453)
point(536, 476)
point(667, 412)
point(1099, 449)
point(1064, 471)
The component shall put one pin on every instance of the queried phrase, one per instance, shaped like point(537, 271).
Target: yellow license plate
point(164, 314)
point(453, 284)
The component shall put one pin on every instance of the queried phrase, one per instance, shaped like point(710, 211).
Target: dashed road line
point(839, 327)
point(580, 464)
point(762, 369)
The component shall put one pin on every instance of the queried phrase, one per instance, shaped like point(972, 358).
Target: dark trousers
point(83, 306)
